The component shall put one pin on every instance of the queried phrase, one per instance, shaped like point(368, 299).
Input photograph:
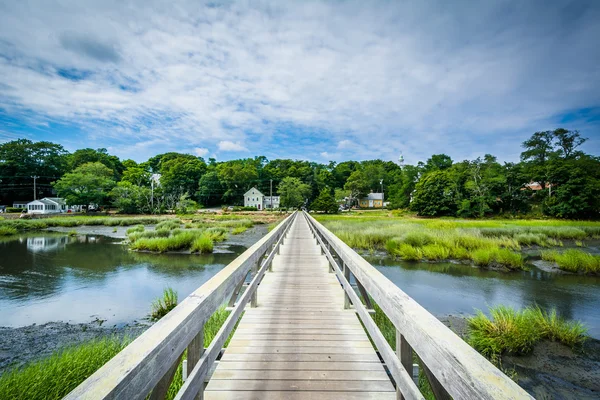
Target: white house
point(21, 203)
point(254, 198)
point(47, 205)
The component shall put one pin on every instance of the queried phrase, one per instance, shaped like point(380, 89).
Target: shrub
point(15, 210)
point(202, 244)
point(164, 304)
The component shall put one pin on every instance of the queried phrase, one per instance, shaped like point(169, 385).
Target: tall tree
point(293, 193)
point(88, 184)
point(84, 156)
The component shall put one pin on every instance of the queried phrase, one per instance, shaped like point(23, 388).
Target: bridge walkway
point(300, 342)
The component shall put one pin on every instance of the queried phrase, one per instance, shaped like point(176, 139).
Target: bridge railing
point(454, 369)
point(147, 366)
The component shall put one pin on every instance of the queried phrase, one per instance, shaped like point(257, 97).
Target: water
point(53, 277)
point(447, 288)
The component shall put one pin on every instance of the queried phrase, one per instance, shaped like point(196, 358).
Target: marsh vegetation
point(486, 243)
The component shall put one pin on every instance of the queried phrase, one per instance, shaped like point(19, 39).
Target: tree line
point(553, 178)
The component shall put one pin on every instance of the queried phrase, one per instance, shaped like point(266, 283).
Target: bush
point(15, 210)
point(164, 304)
point(55, 376)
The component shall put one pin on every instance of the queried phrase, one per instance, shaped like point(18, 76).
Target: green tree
point(84, 156)
point(435, 195)
point(210, 189)
point(181, 175)
point(357, 184)
point(325, 202)
point(293, 193)
point(131, 199)
point(88, 184)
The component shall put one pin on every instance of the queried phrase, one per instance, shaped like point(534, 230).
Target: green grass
point(487, 243)
point(72, 232)
point(55, 376)
point(70, 222)
point(7, 231)
point(176, 241)
point(137, 228)
point(238, 230)
point(574, 260)
point(517, 331)
point(169, 224)
point(164, 304)
point(202, 244)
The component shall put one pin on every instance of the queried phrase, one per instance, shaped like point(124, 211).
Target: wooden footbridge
point(302, 301)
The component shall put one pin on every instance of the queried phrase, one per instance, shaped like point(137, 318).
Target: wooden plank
point(299, 343)
point(299, 385)
point(299, 366)
point(315, 395)
point(300, 336)
point(295, 375)
point(299, 350)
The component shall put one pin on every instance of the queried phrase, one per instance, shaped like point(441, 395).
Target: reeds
point(7, 231)
point(202, 244)
point(164, 304)
point(517, 331)
point(55, 376)
point(574, 260)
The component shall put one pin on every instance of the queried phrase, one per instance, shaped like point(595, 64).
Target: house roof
point(255, 189)
point(51, 201)
point(373, 196)
point(57, 200)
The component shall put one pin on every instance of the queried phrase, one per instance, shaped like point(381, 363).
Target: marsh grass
point(202, 244)
point(238, 230)
point(55, 376)
point(574, 260)
point(181, 240)
point(488, 243)
point(137, 228)
point(7, 231)
point(164, 304)
point(169, 224)
point(517, 331)
point(72, 232)
point(71, 222)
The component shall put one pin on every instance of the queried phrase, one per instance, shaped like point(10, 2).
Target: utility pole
point(381, 183)
point(152, 195)
point(271, 195)
point(34, 188)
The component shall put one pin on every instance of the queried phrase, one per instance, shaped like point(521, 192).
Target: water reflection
point(56, 277)
point(460, 289)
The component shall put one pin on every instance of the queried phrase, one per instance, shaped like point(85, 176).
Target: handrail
point(148, 364)
point(452, 366)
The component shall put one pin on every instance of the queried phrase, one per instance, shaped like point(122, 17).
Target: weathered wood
point(462, 371)
point(299, 338)
point(162, 387)
point(194, 352)
point(405, 355)
point(347, 276)
point(236, 292)
point(436, 387)
point(287, 395)
point(136, 370)
point(401, 376)
point(195, 382)
point(365, 295)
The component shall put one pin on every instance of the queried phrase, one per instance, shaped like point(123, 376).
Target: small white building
point(47, 205)
point(254, 198)
point(21, 203)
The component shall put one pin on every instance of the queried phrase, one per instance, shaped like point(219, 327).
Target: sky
point(315, 80)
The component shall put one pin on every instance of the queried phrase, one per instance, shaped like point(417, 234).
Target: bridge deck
point(300, 343)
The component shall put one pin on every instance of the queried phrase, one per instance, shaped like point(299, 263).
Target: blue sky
point(317, 80)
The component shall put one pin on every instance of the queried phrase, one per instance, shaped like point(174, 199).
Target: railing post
point(162, 387)
point(347, 276)
point(254, 298)
point(194, 352)
point(405, 354)
point(438, 390)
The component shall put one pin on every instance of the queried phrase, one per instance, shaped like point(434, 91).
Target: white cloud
point(200, 151)
point(376, 78)
point(227, 145)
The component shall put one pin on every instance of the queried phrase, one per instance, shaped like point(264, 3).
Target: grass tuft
point(202, 244)
point(7, 231)
point(574, 260)
point(164, 304)
point(517, 331)
point(137, 228)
